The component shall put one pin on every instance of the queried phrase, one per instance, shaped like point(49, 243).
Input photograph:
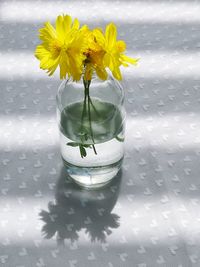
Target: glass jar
point(91, 118)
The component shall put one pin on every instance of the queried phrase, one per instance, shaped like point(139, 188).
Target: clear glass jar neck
point(109, 90)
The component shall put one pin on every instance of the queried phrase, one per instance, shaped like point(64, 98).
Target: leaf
point(72, 144)
point(84, 132)
point(87, 145)
point(82, 151)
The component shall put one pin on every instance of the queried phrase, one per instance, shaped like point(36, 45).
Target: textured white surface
point(150, 215)
point(123, 11)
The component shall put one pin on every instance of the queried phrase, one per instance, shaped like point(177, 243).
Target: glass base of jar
point(93, 177)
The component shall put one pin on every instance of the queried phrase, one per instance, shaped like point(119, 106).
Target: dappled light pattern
point(150, 215)
point(75, 210)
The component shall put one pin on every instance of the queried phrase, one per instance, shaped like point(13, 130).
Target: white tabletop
point(150, 215)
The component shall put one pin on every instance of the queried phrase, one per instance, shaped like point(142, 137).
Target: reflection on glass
point(75, 209)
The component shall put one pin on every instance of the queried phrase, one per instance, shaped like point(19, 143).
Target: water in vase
point(107, 124)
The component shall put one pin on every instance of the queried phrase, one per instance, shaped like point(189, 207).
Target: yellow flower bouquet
point(91, 116)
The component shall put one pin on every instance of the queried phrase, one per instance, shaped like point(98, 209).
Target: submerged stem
point(93, 106)
point(84, 109)
point(86, 105)
point(90, 122)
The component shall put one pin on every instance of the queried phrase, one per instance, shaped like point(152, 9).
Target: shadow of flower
point(75, 209)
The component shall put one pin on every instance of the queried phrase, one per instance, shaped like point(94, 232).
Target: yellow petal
point(111, 35)
point(53, 67)
point(121, 46)
point(48, 32)
point(84, 29)
point(130, 60)
point(125, 64)
point(63, 25)
point(75, 24)
point(63, 69)
point(100, 39)
point(101, 72)
point(59, 25)
point(67, 22)
point(117, 73)
point(40, 52)
point(75, 68)
point(107, 60)
point(46, 60)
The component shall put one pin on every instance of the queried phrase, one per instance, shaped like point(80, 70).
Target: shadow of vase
point(75, 209)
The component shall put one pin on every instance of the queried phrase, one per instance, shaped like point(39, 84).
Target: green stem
point(83, 114)
point(87, 102)
point(90, 122)
point(84, 108)
point(93, 106)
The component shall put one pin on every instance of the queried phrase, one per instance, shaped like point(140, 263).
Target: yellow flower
point(73, 49)
point(113, 56)
point(94, 58)
point(62, 46)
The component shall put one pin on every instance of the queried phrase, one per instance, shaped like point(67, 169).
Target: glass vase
point(91, 118)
